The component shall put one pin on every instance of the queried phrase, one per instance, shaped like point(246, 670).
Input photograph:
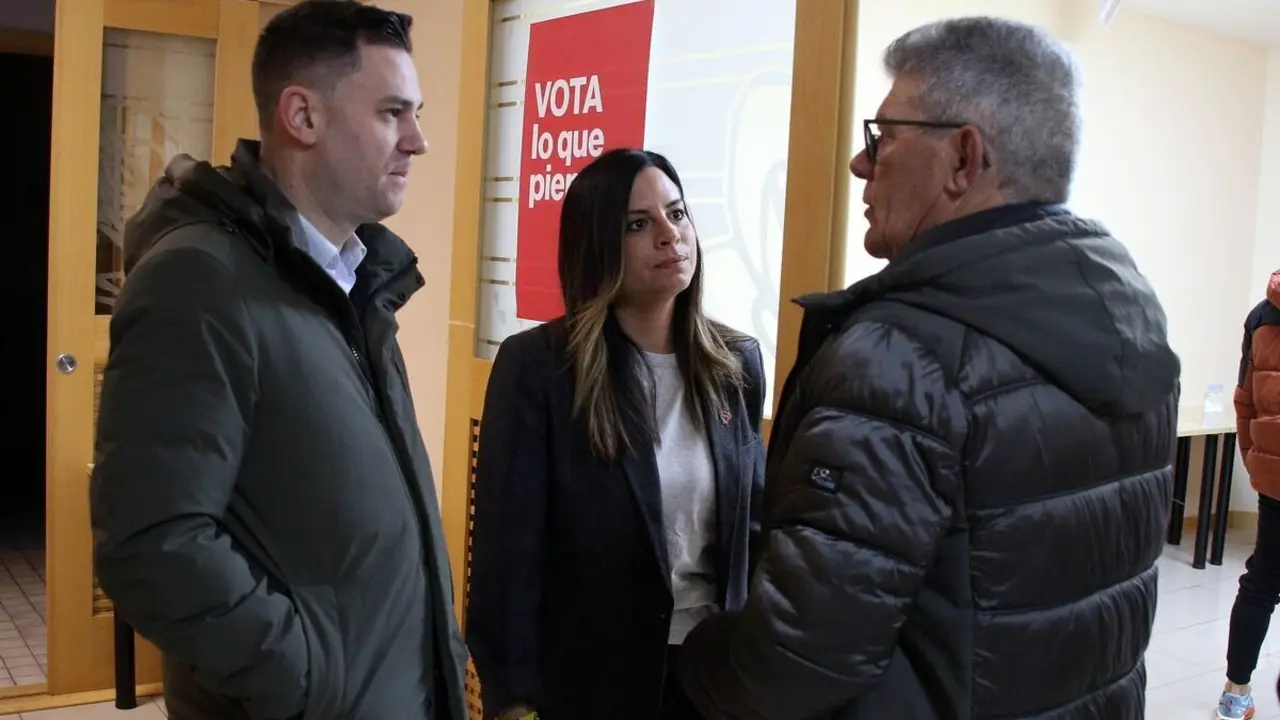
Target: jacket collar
point(909, 267)
point(983, 221)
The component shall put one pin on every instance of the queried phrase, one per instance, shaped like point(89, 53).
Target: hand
point(519, 711)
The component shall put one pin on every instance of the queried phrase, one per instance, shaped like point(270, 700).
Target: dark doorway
point(24, 205)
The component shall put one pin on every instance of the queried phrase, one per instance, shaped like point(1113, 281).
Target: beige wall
point(426, 222)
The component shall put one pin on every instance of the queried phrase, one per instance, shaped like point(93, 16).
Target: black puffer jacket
point(966, 490)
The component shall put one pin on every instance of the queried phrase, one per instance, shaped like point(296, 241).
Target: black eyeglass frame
point(872, 139)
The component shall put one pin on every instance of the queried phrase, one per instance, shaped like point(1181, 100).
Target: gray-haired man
point(968, 475)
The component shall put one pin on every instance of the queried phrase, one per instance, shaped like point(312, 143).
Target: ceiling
point(1254, 20)
point(27, 15)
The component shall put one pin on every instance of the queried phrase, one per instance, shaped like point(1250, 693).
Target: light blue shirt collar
point(338, 263)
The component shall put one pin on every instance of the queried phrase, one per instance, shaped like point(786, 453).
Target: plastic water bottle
point(1215, 406)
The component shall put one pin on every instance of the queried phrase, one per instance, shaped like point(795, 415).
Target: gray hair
point(1014, 82)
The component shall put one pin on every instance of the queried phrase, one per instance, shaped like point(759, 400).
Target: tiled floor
point(22, 624)
point(1185, 663)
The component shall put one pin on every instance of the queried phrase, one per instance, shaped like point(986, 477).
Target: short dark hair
point(316, 43)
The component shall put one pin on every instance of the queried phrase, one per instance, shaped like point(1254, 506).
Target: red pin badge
point(725, 417)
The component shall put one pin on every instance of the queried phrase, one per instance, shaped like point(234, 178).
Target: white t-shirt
point(687, 476)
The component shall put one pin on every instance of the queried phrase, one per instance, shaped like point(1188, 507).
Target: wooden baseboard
point(1240, 521)
point(32, 698)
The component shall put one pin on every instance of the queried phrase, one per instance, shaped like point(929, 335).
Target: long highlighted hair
point(606, 364)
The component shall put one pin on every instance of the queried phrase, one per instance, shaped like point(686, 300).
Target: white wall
point(1171, 163)
point(1265, 257)
point(1266, 245)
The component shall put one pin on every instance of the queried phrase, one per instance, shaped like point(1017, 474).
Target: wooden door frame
point(78, 638)
point(820, 145)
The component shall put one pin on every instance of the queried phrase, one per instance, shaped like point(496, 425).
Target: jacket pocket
point(326, 674)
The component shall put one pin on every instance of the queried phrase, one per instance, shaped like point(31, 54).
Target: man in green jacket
point(262, 502)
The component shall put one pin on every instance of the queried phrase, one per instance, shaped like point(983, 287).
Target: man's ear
point(968, 158)
point(300, 114)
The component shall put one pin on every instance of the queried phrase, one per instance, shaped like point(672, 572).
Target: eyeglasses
point(871, 133)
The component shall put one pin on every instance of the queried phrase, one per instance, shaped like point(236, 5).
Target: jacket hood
point(189, 192)
point(193, 191)
point(1057, 290)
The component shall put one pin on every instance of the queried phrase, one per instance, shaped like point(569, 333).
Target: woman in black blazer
point(619, 467)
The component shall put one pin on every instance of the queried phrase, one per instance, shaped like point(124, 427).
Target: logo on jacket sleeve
point(826, 479)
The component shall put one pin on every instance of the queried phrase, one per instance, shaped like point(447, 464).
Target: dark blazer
point(569, 601)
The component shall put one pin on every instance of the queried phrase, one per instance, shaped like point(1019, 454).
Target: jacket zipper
point(366, 370)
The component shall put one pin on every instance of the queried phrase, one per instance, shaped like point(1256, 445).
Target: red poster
point(585, 92)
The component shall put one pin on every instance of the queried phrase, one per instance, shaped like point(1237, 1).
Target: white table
point(1222, 431)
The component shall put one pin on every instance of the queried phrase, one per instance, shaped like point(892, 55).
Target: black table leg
point(1178, 512)
point(126, 682)
point(1204, 512)
point(1226, 468)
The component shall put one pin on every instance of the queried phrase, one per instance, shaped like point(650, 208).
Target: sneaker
point(1235, 707)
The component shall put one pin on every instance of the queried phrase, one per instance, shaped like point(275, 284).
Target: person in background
point(262, 503)
point(969, 474)
point(619, 465)
point(1257, 401)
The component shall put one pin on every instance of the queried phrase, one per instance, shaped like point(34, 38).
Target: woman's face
point(659, 244)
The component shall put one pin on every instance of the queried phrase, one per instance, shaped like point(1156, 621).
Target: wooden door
point(134, 83)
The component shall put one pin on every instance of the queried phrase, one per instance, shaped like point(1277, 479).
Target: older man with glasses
point(969, 471)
